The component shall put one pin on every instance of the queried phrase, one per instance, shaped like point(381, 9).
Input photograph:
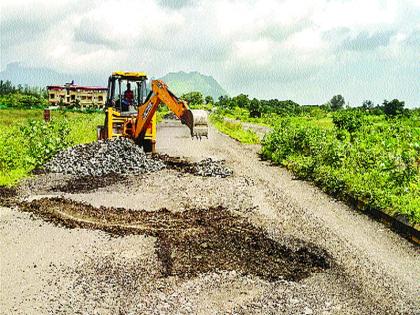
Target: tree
point(255, 108)
point(337, 102)
point(367, 105)
point(193, 98)
point(241, 101)
point(209, 99)
point(393, 108)
point(225, 102)
point(6, 87)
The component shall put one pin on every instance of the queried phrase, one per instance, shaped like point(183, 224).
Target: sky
point(306, 51)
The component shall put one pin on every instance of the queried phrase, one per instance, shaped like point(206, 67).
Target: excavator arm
point(161, 94)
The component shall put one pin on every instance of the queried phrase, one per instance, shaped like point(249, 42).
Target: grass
point(234, 130)
point(10, 117)
point(26, 141)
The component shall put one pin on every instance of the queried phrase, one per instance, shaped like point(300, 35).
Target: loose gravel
point(123, 157)
point(116, 156)
point(207, 167)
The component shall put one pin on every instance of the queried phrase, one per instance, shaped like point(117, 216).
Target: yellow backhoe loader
point(132, 113)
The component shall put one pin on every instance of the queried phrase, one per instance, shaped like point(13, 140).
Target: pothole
point(88, 183)
point(7, 192)
point(194, 241)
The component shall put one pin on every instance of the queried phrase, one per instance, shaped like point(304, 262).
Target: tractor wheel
point(147, 146)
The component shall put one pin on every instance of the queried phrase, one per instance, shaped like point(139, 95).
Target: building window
point(73, 97)
point(89, 98)
point(83, 97)
point(100, 98)
point(52, 96)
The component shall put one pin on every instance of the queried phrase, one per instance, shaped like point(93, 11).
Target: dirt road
point(257, 242)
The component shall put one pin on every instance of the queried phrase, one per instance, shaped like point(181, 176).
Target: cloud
point(175, 4)
point(365, 41)
point(291, 49)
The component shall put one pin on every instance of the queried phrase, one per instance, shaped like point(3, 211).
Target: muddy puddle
point(194, 241)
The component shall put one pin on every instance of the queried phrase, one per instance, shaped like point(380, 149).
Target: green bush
point(380, 165)
point(26, 141)
point(23, 148)
point(18, 100)
point(45, 139)
point(350, 120)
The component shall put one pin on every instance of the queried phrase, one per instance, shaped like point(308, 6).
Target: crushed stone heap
point(210, 167)
point(111, 156)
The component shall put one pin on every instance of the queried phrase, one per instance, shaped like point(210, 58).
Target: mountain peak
point(182, 82)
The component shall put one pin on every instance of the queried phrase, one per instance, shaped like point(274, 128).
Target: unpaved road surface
point(171, 242)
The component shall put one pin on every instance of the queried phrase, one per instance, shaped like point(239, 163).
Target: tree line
point(24, 96)
point(21, 96)
point(258, 107)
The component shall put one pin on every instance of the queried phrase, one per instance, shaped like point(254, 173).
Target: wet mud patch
point(8, 196)
point(194, 241)
point(88, 183)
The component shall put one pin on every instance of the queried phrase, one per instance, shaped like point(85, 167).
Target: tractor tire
point(147, 146)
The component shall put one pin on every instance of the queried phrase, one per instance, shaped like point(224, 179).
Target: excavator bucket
point(201, 124)
point(197, 121)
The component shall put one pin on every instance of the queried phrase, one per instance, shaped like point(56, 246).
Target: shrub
point(350, 120)
point(380, 165)
point(45, 139)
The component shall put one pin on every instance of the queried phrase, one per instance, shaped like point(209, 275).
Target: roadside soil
point(172, 242)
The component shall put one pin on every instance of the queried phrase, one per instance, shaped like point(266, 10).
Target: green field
point(26, 141)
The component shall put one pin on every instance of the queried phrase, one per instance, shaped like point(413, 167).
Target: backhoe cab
point(131, 110)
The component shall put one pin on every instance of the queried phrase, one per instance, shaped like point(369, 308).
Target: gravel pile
point(116, 156)
point(210, 167)
point(207, 167)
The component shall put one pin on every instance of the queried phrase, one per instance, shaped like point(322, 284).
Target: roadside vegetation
point(234, 130)
point(23, 97)
point(26, 141)
point(369, 155)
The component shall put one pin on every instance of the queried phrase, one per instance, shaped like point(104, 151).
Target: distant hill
point(182, 82)
point(41, 77)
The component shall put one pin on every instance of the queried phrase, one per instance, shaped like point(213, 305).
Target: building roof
point(76, 87)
